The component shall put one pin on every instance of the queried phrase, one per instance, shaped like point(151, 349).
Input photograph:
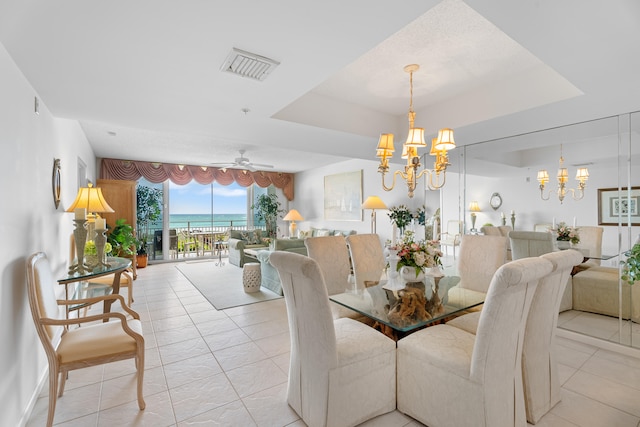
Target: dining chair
point(94, 343)
point(367, 257)
point(341, 372)
point(332, 255)
point(530, 243)
point(591, 239)
point(543, 227)
point(480, 257)
point(452, 237)
point(126, 277)
point(450, 377)
point(539, 364)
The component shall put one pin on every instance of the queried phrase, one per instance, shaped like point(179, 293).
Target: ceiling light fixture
point(582, 175)
point(415, 140)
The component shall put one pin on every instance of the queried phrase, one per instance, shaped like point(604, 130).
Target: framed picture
point(614, 205)
point(343, 196)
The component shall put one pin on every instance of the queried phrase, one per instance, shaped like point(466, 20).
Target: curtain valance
point(182, 174)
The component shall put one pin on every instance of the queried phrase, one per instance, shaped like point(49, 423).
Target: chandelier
point(415, 140)
point(582, 175)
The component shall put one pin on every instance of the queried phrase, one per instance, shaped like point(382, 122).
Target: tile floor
point(229, 368)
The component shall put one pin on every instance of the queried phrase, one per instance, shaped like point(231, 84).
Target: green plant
point(631, 266)
point(122, 238)
point(401, 216)
point(148, 211)
point(267, 208)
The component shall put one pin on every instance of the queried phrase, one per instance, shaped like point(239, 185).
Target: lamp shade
point(386, 142)
point(91, 199)
point(415, 138)
point(293, 215)
point(373, 202)
point(473, 207)
point(445, 140)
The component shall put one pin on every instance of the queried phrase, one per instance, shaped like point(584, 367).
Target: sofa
point(239, 240)
point(595, 290)
point(318, 232)
point(270, 276)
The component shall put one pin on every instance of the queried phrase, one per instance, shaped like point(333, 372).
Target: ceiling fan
point(242, 162)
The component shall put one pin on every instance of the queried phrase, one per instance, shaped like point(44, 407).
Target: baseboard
point(44, 380)
point(600, 343)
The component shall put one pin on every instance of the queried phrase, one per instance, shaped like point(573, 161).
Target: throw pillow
point(303, 234)
point(251, 237)
point(323, 232)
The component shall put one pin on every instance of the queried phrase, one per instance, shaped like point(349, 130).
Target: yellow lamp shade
point(293, 215)
point(91, 199)
point(416, 138)
point(582, 174)
point(543, 176)
point(373, 202)
point(473, 207)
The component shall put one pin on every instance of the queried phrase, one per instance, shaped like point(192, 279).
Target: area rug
point(222, 286)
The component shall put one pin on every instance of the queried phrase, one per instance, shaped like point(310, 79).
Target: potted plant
point(122, 239)
point(148, 211)
point(267, 209)
point(631, 266)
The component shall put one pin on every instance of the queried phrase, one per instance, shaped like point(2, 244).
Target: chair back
point(454, 228)
point(367, 257)
point(530, 243)
point(332, 255)
point(543, 227)
point(591, 239)
point(42, 300)
point(539, 365)
point(500, 335)
point(480, 257)
point(313, 339)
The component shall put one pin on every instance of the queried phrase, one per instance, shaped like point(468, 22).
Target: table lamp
point(373, 203)
point(293, 216)
point(473, 207)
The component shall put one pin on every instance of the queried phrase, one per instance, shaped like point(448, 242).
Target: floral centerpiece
point(401, 216)
point(91, 251)
point(567, 234)
point(419, 255)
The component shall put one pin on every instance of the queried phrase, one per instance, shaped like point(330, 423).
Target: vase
point(394, 282)
point(564, 244)
point(409, 274)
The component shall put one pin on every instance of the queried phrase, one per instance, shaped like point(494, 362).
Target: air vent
point(247, 64)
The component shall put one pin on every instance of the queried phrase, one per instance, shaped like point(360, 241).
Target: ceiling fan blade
point(223, 165)
point(261, 165)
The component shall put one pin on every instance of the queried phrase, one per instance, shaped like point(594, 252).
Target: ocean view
point(191, 221)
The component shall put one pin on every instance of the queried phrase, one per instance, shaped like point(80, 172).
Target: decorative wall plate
point(495, 201)
point(55, 182)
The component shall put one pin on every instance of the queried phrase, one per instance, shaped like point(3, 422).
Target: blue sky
point(195, 198)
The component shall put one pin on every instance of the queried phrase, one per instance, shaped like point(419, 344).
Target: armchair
point(452, 236)
point(89, 345)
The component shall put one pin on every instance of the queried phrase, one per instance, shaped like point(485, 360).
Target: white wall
point(29, 223)
point(309, 197)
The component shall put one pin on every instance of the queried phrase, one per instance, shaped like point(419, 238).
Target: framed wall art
point(614, 205)
point(343, 196)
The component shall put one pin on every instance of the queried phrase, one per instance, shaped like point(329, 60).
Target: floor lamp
point(373, 203)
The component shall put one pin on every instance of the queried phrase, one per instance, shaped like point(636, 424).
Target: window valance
point(183, 174)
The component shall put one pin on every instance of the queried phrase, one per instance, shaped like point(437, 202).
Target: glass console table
point(82, 289)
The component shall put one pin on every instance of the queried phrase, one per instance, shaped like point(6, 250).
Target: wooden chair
point(452, 236)
point(89, 345)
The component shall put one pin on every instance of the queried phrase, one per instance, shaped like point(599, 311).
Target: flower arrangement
point(401, 216)
point(419, 255)
point(421, 215)
point(567, 234)
point(91, 249)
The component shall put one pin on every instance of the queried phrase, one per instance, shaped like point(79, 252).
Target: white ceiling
point(149, 71)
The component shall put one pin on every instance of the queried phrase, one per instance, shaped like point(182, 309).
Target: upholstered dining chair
point(341, 372)
point(450, 377)
point(367, 257)
point(530, 243)
point(539, 364)
point(590, 239)
point(332, 255)
point(480, 257)
point(500, 230)
point(95, 343)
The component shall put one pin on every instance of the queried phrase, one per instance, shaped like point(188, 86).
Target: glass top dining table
point(415, 306)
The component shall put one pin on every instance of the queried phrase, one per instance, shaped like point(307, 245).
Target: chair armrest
point(102, 298)
point(236, 244)
point(123, 322)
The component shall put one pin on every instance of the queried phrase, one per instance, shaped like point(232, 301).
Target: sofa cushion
point(319, 232)
point(252, 237)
